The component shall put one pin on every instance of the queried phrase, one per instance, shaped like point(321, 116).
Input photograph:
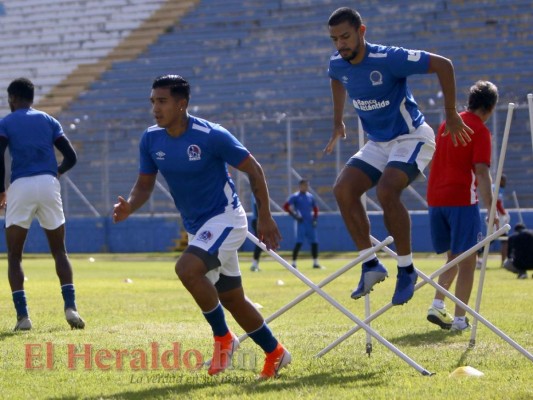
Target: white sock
point(369, 258)
point(405, 261)
point(254, 263)
point(315, 261)
point(459, 320)
point(438, 303)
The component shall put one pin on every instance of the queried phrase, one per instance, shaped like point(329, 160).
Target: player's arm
point(459, 131)
point(69, 154)
point(3, 146)
point(338, 94)
point(140, 193)
point(484, 186)
point(267, 230)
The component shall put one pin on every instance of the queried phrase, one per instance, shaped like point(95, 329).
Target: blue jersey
point(378, 89)
point(31, 135)
point(195, 168)
point(303, 204)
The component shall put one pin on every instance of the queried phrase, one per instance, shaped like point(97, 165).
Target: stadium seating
point(259, 68)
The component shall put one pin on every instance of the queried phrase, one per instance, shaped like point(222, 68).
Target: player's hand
point(3, 200)
point(121, 210)
point(457, 129)
point(268, 233)
point(339, 131)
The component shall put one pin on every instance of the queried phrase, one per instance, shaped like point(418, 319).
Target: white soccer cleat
point(23, 324)
point(74, 319)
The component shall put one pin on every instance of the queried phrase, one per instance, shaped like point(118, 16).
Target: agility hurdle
point(339, 307)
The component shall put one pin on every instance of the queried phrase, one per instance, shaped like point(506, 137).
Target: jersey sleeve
point(146, 163)
point(405, 62)
point(57, 129)
point(227, 147)
point(482, 146)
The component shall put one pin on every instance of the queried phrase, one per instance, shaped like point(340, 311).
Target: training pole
point(520, 219)
point(435, 274)
point(530, 105)
point(339, 307)
point(323, 283)
point(490, 226)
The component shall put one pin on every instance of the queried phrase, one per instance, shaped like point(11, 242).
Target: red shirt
point(452, 179)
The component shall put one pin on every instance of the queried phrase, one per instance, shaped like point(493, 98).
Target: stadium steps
point(134, 44)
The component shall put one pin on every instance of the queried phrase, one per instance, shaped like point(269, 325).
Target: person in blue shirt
point(400, 144)
point(193, 155)
point(257, 250)
point(34, 191)
point(302, 207)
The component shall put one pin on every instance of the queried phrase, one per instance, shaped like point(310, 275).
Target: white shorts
point(35, 196)
point(224, 234)
point(418, 147)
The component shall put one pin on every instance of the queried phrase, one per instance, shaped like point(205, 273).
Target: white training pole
point(364, 199)
point(339, 307)
point(323, 283)
point(517, 206)
point(492, 214)
point(530, 104)
point(435, 274)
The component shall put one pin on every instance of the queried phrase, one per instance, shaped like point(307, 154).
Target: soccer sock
point(371, 257)
point(216, 319)
point(19, 299)
point(264, 338)
point(254, 263)
point(438, 303)
point(314, 250)
point(405, 261)
point(69, 296)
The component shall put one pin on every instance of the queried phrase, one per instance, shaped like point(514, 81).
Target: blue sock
point(264, 338)
point(217, 320)
point(19, 299)
point(69, 296)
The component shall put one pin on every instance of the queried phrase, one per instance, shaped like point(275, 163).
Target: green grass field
point(154, 310)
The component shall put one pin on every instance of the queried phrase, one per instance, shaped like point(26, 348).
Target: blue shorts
point(455, 228)
point(305, 230)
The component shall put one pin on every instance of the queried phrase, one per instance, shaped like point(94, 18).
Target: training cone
point(466, 371)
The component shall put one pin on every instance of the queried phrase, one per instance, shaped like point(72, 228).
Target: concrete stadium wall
point(158, 234)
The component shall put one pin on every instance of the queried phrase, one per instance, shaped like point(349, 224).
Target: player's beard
point(354, 53)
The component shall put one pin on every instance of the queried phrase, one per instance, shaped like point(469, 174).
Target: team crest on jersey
point(205, 236)
point(194, 152)
point(376, 78)
point(344, 79)
point(160, 155)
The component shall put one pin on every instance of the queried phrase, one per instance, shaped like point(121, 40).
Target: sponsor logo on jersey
point(205, 236)
point(160, 155)
point(344, 79)
point(376, 78)
point(194, 152)
point(369, 105)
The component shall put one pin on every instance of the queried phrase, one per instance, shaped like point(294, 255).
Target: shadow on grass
point(187, 385)
point(416, 339)
point(8, 334)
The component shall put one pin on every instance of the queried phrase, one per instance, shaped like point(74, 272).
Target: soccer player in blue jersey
point(31, 136)
point(302, 207)
point(192, 155)
point(400, 143)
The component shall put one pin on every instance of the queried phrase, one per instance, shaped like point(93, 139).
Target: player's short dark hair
point(302, 181)
point(21, 88)
point(178, 85)
point(519, 227)
point(483, 95)
point(345, 14)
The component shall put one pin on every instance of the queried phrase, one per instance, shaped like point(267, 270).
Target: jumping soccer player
point(192, 155)
point(400, 143)
point(31, 136)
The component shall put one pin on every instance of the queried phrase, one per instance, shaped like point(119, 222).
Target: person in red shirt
point(458, 174)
